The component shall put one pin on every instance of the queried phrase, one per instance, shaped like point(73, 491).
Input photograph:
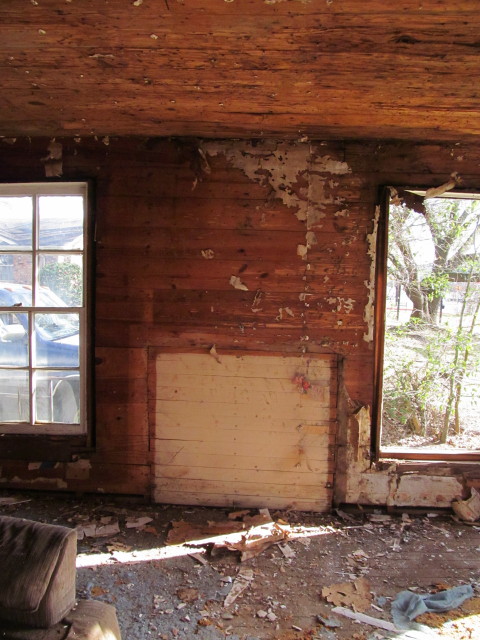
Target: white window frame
point(35, 190)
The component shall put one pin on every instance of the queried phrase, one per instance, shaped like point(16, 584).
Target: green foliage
point(426, 366)
point(64, 279)
point(435, 285)
point(427, 250)
point(415, 380)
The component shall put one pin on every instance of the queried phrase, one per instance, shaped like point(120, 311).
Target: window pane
point(60, 222)
point(42, 306)
point(16, 215)
point(15, 295)
point(57, 396)
point(13, 339)
point(62, 276)
point(56, 339)
point(6, 267)
point(14, 396)
point(431, 364)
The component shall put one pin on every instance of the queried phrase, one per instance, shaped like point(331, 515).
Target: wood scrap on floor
point(97, 530)
point(364, 619)
point(468, 510)
point(242, 581)
point(250, 536)
point(354, 594)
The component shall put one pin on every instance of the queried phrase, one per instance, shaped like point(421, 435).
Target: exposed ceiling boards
point(241, 68)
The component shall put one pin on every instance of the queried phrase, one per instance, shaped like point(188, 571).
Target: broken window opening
point(428, 318)
point(43, 308)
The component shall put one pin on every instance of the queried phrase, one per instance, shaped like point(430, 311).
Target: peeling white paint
point(277, 1)
point(303, 296)
point(310, 240)
point(326, 164)
point(237, 283)
point(341, 304)
point(368, 314)
point(281, 165)
point(287, 310)
point(302, 251)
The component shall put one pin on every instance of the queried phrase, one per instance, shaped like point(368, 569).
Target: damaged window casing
point(413, 199)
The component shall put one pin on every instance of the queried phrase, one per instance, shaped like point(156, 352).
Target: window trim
point(404, 453)
point(80, 435)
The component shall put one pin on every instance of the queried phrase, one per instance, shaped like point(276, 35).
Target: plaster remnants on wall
point(344, 305)
point(281, 165)
point(301, 178)
point(277, 1)
point(278, 165)
point(325, 164)
point(368, 314)
point(395, 486)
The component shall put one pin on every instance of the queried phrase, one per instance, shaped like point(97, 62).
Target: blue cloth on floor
point(408, 605)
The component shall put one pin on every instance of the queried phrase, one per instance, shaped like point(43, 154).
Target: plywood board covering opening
point(245, 430)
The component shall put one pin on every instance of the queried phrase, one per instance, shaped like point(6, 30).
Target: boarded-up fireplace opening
point(245, 430)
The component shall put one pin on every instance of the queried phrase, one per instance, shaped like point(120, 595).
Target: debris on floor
point(97, 530)
point(178, 573)
point(12, 500)
point(241, 582)
point(354, 594)
point(242, 532)
point(137, 523)
point(468, 510)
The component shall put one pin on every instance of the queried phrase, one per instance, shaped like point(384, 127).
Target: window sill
point(429, 454)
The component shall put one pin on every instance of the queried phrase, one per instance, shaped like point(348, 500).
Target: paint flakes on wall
point(282, 165)
point(326, 164)
point(368, 314)
point(279, 165)
point(53, 160)
point(341, 305)
point(238, 284)
point(277, 1)
point(302, 178)
point(284, 311)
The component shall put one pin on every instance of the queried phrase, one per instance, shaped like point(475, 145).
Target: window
point(43, 260)
point(428, 343)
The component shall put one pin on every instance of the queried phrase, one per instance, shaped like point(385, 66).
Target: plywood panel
point(241, 431)
point(289, 458)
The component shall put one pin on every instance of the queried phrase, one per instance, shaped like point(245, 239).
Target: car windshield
point(55, 326)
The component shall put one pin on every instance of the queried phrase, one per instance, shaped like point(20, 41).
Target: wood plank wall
point(159, 205)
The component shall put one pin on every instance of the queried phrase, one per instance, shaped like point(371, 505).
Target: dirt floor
point(167, 591)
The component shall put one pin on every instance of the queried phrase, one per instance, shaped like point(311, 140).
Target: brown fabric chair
point(37, 571)
point(89, 620)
